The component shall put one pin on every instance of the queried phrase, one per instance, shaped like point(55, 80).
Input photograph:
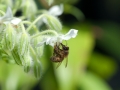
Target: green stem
point(35, 21)
point(22, 26)
point(41, 11)
point(27, 22)
point(44, 32)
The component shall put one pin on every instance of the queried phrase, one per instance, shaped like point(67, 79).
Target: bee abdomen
point(56, 59)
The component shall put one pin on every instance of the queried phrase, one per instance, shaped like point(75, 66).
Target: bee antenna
point(66, 42)
point(63, 44)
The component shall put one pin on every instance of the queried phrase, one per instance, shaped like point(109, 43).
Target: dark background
point(103, 10)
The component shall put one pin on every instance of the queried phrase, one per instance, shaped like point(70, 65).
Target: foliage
point(27, 43)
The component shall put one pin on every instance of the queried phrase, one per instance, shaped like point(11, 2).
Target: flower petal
point(58, 39)
point(51, 41)
point(56, 10)
point(15, 21)
point(71, 34)
point(8, 16)
point(41, 43)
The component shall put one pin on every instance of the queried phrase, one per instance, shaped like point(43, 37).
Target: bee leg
point(59, 63)
point(57, 50)
point(66, 62)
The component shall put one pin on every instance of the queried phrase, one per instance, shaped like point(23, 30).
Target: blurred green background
point(93, 61)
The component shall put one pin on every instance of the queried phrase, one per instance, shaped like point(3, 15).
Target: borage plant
point(18, 45)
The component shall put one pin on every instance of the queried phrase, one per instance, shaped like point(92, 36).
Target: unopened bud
point(37, 69)
point(19, 59)
point(53, 22)
point(2, 31)
point(10, 37)
point(38, 50)
point(28, 63)
point(23, 45)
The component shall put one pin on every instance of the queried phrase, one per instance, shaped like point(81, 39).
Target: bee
point(60, 52)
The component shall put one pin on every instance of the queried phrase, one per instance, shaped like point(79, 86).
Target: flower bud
point(23, 45)
point(38, 50)
point(56, 10)
point(37, 69)
point(19, 59)
point(34, 68)
point(28, 63)
point(29, 6)
point(10, 37)
point(2, 31)
point(53, 22)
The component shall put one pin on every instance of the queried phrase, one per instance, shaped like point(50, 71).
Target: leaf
point(89, 81)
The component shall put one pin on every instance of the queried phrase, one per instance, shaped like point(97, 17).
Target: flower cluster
point(18, 45)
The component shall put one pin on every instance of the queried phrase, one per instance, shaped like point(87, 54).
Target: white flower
point(56, 10)
point(8, 15)
point(16, 21)
point(8, 18)
point(59, 38)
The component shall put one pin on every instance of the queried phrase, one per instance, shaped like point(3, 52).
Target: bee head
point(64, 47)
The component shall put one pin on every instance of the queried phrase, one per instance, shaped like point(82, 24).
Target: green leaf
point(102, 65)
point(89, 81)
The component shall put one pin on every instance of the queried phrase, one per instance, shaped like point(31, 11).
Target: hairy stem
point(45, 32)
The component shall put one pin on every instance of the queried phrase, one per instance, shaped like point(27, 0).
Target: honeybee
point(60, 52)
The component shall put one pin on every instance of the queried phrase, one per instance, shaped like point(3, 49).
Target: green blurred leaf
point(90, 81)
point(110, 38)
point(12, 77)
point(102, 65)
point(77, 13)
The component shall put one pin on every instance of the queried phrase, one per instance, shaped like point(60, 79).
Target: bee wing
point(66, 62)
point(59, 63)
